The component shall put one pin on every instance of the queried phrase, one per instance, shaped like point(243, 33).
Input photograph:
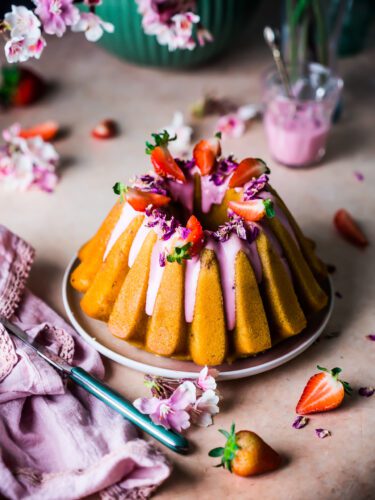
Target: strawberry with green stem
point(192, 243)
point(323, 392)
point(138, 199)
point(163, 162)
point(246, 454)
point(253, 210)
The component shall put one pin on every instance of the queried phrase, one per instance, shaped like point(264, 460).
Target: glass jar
point(297, 126)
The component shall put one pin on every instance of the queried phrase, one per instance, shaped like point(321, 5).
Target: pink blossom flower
point(22, 23)
point(93, 26)
point(171, 413)
point(16, 50)
point(206, 381)
point(204, 36)
point(27, 163)
point(35, 50)
point(231, 125)
point(56, 15)
point(204, 408)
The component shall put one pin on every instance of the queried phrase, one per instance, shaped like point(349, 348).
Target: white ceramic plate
point(97, 335)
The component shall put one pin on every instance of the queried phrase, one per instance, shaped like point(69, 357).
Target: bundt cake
point(200, 260)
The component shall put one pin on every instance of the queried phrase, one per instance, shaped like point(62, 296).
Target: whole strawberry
point(246, 454)
point(323, 392)
point(21, 86)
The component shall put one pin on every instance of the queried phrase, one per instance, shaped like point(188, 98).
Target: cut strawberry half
point(247, 170)
point(349, 229)
point(205, 154)
point(140, 200)
point(106, 129)
point(196, 235)
point(253, 210)
point(46, 130)
point(164, 164)
point(323, 392)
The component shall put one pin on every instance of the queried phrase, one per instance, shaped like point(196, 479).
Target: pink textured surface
point(93, 85)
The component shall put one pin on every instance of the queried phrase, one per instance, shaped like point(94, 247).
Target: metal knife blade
point(42, 351)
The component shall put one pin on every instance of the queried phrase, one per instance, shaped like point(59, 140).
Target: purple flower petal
point(371, 337)
point(366, 391)
point(300, 422)
point(322, 433)
point(359, 176)
point(338, 295)
point(224, 167)
point(255, 186)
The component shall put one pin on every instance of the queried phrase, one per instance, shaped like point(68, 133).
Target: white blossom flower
point(93, 26)
point(184, 132)
point(204, 408)
point(23, 23)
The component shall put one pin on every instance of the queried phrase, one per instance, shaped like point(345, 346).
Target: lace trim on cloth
point(8, 356)
point(63, 338)
point(11, 295)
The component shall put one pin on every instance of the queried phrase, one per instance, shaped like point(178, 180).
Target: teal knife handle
point(172, 440)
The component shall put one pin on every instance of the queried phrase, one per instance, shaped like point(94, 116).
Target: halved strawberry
point(138, 199)
point(164, 163)
point(252, 210)
point(247, 170)
point(106, 129)
point(324, 391)
point(196, 235)
point(349, 229)
point(205, 154)
point(46, 130)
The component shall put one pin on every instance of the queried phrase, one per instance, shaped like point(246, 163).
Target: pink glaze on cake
point(226, 251)
point(212, 194)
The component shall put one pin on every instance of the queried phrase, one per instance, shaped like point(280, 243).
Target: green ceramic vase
point(225, 19)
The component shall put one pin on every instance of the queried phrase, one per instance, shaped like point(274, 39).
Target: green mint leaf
point(120, 188)
point(270, 211)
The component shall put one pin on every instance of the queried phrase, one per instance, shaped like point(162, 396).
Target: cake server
point(168, 438)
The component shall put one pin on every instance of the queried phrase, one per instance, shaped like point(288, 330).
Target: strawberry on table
point(253, 210)
point(138, 199)
point(247, 170)
point(106, 129)
point(21, 86)
point(246, 454)
point(206, 152)
point(46, 130)
point(324, 391)
point(349, 229)
point(163, 162)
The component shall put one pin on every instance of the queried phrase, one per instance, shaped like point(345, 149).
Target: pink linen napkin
point(56, 440)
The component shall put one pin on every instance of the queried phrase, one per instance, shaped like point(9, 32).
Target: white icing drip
point(211, 194)
point(156, 274)
point(127, 215)
point(138, 241)
point(191, 282)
